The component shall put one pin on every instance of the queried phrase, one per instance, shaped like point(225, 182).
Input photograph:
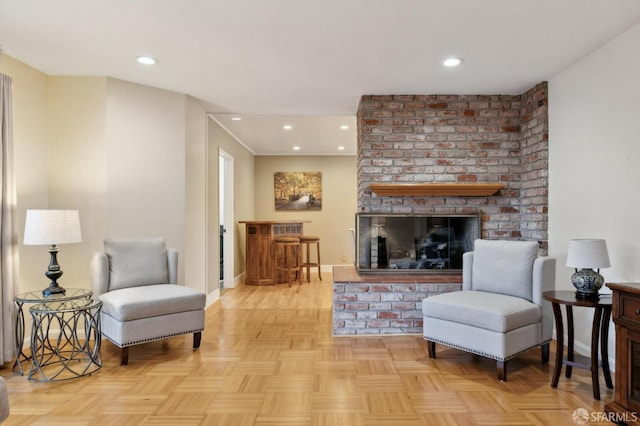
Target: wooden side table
point(599, 335)
point(626, 317)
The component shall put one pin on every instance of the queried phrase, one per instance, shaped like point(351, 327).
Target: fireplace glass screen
point(414, 243)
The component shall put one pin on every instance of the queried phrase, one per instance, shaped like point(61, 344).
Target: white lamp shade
point(47, 227)
point(588, 253)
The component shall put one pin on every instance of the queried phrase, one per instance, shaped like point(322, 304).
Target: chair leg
point(502, 370)
point(124, 358)
point(197, 336)
point(544, 348)
point(308, 261)
point(319, 273)
point(431, 348)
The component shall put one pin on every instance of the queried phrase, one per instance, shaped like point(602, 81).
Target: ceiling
point(307, 62)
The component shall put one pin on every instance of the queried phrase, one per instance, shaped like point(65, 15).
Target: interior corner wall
point(339, 201)
point(77, 177)
point(145, 164)
point(593, 164)
point(534, 160)
point(195, 261)
point(243, 204)
point(31, 162)
point(121, 153)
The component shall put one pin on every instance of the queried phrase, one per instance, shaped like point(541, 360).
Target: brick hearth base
point(383, 303)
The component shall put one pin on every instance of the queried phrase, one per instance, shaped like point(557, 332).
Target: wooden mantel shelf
point(436, 189)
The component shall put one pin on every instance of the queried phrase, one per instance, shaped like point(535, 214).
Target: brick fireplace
point(444, 139)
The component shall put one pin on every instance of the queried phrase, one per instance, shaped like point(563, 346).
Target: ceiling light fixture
point(287, 127)
point(296, 148)
point(341, 148)
point(452, 62)
point(147, 60)
point(344, 127)
point(236, 118)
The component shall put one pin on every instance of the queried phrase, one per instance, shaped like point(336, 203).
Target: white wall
point(594, 153)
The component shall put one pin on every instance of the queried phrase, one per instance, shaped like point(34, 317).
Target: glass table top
point(38, 297)
point(62, 306)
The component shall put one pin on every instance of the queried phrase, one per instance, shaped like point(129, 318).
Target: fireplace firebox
point(414, 243)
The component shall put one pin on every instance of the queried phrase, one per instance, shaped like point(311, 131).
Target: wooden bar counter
point(261, 255)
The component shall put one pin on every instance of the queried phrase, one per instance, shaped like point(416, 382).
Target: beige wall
point(31, 162)
point(139, 161)
point(119, 152)
point(77, 178)
point(339, 200)
point(145, 163)
point(195, 264)
point(243, 203)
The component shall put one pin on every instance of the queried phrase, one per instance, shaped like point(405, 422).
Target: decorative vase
point(587, 283)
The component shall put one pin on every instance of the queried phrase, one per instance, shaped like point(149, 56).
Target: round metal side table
point(65, 339)
point(36, 297)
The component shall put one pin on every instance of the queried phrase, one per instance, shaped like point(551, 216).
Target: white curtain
point(8, 232)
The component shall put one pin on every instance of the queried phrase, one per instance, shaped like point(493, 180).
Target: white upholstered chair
point(136, 280)
point(500, 312)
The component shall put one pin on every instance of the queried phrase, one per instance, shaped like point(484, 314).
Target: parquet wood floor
point(268, 357)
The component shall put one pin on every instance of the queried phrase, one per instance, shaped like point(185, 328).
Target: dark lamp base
point(53, 273)
point(587, 283)
point(53, 290)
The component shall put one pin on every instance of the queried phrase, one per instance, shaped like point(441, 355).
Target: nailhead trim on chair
point(137, 342)
point(465, 349)
point(479, 352)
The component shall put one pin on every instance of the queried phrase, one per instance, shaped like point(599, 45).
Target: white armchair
point(136, 280)
point(500, 312)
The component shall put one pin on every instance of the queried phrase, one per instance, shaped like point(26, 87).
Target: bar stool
point(307, 241)
point(289, 258)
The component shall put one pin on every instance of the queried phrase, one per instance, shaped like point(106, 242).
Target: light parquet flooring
point(268, 357)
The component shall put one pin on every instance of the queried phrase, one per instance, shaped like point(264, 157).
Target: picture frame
point(297, 190)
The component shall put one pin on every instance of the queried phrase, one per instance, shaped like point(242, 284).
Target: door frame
point(225, 193)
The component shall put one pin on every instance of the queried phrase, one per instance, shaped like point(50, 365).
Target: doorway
point(225, 214)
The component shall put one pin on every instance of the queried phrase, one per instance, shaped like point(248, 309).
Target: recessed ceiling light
point(236, 118)
point(296, 148)
point(452, 62)
point(341, 148)
point(287, 127)
point(344, 127)
point(147, 60)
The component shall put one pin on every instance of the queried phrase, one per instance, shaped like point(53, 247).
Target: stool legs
point(291, 261)
point(308, 264)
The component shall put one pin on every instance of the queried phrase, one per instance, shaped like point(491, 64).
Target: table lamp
point(52, 227)
point(587, 254)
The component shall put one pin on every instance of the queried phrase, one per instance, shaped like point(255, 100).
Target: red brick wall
point(459, 138)
point(436, 138)
point(383, 304)
point(535, 164)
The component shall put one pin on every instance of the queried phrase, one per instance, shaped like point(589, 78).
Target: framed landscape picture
point(298, 190)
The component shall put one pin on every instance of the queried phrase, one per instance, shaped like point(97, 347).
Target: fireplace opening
point(414, 243)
